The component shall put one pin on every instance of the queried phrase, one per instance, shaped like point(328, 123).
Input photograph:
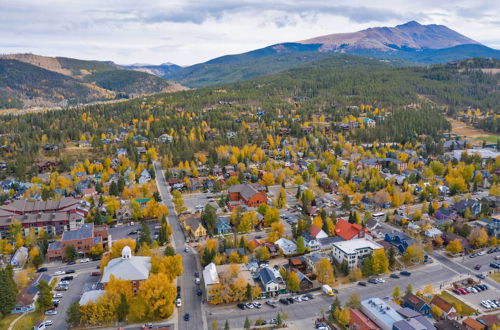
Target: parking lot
point(197, 201)
point(474, 299)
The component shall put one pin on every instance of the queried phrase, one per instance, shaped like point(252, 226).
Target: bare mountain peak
point(411, 35)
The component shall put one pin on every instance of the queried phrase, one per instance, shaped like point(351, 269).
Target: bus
point(380, 216)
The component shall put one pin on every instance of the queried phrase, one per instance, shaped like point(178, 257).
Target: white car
point(59, 272)
point(178, 302)
point(58, 295)
point(51, 312)
point(64, 283)
point(482, 253)
point(48, 323)
point(84, 260)
point(485, 304)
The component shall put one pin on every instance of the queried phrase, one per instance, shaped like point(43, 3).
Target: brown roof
point(490, 319)
point(442, 304)
point(472, 324)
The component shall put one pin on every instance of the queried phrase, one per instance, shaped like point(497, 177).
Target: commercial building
point(83, 239)
point(354, 250)
point(251, 195)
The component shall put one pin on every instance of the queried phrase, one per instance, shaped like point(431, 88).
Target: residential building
point(129, 268)
point(471, 204)
point(210, 278)
point(349, 231)
point(326, 243)
point(271, 281)
point(416, 303)
point(310, 242)
point(472, 324)
point(83, 239)
point(20, 257)
point(360, 321)
point(312, 259)
point(28, 296)
point(252, 195)
point(223, 226)
point(54, 216)
point(305, 282)
point(195, 228)
point(399, 240)
point(145, 177)
point(317, 232)
point(288, 247)
point(489, 320)
point(444, 213)
point(354, 250)
point(433, 232)
point(448, 310)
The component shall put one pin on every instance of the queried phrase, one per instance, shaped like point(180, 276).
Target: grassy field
point(24, 323)
point(5, 322)
point(466, 309)
point(488, 138)
point(460, 128)
point(496, 277)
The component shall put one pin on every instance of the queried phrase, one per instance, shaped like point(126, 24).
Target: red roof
point(347, 230)
point(314, 230)
point(361, 321)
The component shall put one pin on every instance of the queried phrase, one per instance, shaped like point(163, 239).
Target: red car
point(463, 291)
point(477, 267)
point(96, 273)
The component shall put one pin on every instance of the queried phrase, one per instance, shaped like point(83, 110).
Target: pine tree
point(8, 290)
point(113, 189)
point(392, 257)
point(122, 309)
point(73, 314)
point(247, 323)
point(226, 325)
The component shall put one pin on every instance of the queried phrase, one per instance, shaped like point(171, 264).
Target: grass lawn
point(488, 138)
point(496, 277)
point(5, 322)
point(466, 309)
point(27, 322)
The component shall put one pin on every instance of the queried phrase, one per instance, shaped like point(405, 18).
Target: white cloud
point(187, 32)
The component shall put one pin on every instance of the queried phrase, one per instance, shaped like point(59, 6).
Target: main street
point(191, 303)
point(434, 274)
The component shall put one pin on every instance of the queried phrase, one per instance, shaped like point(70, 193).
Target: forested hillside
point(28, 80)
point(336, 90)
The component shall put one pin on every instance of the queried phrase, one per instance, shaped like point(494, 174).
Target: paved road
point(191, 303)
point(434, 273)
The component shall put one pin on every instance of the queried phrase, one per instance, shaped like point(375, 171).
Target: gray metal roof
point(85, 231)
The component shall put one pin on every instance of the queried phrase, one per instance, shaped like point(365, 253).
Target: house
point(252, 195)
point(297, 263)
point(135, 269)
point(444, 306)
point(145, 177)
point(223, 226)
point(317, 232)
point(472, 204)
point(83, 239)
point(472, 324)
point(310, 242)
point(288, 247)
point(305, 282)
point(360, 321)
point(349, 231)
point(433, 232)
point(447, 324)
point(271, 281)
point(445, 213)
point(399, 240)
point(415, 303)
point(210, 278)
point(195, 228)
point(20, 257)
point(164, 138)
point(27, 297)
point(354, 251)
point(313, 258)
point(489, 320)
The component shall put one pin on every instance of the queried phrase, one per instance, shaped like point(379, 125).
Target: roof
point(360, 319)
point(470, 323)
point(442, 304)
point(210, 275)
point(347, 230)
point(268, 275)
point(489, 319)
point(51, 205)
point(193, 222)
point(380, 310)
point(85, 231)
point(91, 296)
point(128, 267)
point(414, 301)
point(324, 241)
point(246, 190)
point(417, 323)
point(350, 247)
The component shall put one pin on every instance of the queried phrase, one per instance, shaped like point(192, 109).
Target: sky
point(186, 32)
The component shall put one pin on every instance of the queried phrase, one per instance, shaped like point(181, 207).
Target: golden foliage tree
point(324, 271)
point(158, 294)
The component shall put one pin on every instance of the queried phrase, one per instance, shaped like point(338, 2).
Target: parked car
point(48, 323)
point(257, 304)
point(241, 306)
point(96, 273)
point(497, 257)
point(133, 232)
point(249, 305)
point(290, 300)
point(186, 317)
point(473, 255)
point(284, 301)
point(148, 325)
point(67, 278)
point(477, 267)
point(51, 312)
point(271, 303)
point(405, 273)
point(481, 276)
point(372, 280)
point(41, 269)
point(482, 253)
point(70, 271)
point(310, 296)
point(178, 302)
point(59, 272)
point(199, 292)
point(58, 295)
point(297, 299)
point(84, 260)
point(394, 276)
point(362, 283)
